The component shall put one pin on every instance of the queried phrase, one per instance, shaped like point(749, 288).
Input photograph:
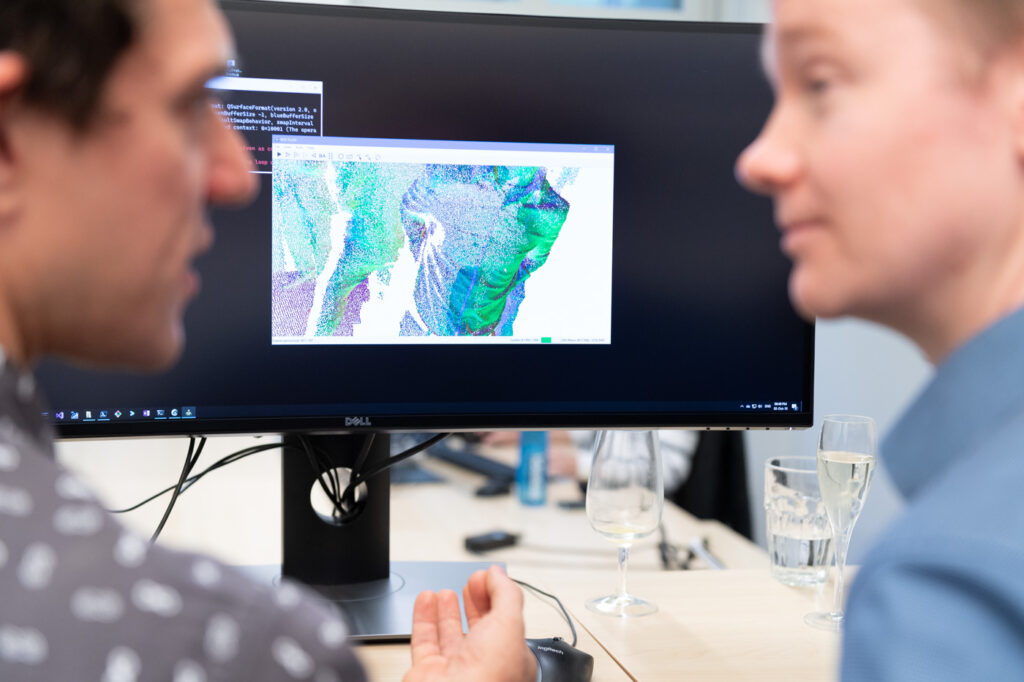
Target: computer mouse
point(559, 661)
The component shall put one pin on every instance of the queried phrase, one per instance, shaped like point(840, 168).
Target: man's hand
point(493, 649)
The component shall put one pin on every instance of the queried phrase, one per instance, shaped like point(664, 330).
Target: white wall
point(692, 10)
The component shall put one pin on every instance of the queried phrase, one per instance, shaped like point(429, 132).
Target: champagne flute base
point(826, 620)
point(626, 606)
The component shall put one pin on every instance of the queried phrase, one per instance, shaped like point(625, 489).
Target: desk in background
point(735, 624)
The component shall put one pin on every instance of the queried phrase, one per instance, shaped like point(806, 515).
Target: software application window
point(260, 108)
point(381, 241)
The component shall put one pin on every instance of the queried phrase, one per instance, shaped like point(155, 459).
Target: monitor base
point(381, 610)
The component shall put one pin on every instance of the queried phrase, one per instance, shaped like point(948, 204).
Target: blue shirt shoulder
point(941, 596)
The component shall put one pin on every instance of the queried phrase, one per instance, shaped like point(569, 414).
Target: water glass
point(798, 532)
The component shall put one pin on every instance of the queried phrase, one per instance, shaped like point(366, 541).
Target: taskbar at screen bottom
point(190, 419)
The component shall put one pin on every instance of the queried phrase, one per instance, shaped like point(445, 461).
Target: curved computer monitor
point(473, 222)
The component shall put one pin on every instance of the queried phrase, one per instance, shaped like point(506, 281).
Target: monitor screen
point(471, 222)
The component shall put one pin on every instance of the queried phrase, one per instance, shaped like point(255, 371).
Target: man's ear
point(13, 73)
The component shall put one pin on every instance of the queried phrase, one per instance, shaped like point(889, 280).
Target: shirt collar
point(978, 388)
point(20, 401)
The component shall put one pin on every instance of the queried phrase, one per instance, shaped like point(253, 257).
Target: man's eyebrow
point(200, 83)
point(215, 69)
point(791, 37)
point(213, 72)
point(787, 39)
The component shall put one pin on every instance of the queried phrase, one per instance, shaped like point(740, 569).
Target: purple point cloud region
point(290, 304)
point(356, 298)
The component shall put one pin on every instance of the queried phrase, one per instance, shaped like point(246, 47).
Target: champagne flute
point(625, 496)
point(846, 464)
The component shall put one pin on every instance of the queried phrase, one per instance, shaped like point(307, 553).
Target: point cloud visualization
point(379, 241)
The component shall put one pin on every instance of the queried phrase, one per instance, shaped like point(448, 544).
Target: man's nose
point(769, 163)
point(229, 176)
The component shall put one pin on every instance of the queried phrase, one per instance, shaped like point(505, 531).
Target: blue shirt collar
point(976, 390)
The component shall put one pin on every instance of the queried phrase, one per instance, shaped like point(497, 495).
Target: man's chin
point(161, 358)
point(140, 358)
point(811, 301)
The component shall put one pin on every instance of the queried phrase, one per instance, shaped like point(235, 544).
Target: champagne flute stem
point(623, 558)
point(842, 545)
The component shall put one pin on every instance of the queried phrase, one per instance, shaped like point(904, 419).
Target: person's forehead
point(797, 24)
point(866, 28)
point(184, 34)
point(800, 21)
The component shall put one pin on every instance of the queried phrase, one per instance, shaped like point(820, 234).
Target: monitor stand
point(350, 564)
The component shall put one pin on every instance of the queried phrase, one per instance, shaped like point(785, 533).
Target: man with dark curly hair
point(110, 152)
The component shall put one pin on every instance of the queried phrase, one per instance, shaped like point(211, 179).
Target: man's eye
point(198, 103)
point(817, 86)
point(212, 98)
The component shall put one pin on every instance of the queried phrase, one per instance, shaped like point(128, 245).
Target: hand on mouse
point(493, 649)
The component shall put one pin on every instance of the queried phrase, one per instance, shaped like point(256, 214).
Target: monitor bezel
point(355, 422)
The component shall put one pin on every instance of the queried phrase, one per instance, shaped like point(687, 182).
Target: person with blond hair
point(894, 154)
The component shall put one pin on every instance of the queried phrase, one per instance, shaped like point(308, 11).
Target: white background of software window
point(571, 295)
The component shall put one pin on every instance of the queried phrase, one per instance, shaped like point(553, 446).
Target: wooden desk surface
point(730, 625)
point(431, 522)
point(388, 662)
point(713, 625)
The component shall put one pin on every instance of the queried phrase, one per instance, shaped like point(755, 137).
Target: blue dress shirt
point(941, 596)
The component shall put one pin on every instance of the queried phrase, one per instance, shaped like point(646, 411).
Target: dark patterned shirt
point(83, 598)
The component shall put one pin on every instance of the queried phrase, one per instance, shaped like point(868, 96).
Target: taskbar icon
point(133, 414)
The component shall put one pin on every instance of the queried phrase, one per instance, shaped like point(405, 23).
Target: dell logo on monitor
point(357, 421)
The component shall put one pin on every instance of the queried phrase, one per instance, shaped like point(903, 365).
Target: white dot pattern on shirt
point(152, 597)
point(123, 665)
point(205, 573)
point(290, 656)
point(97, 604)
point(130, 550)
point(78, 519)
point(15, 501)
point(26, 387)
point(288, 596)
point(9, 458)
point(332, 634)
point(22, 645)
point(12, 434)
point(37, 565)
point(221, 638)
point(70, 488)
point(189, 671)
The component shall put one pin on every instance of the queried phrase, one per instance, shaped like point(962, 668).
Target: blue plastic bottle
point(532, 474)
